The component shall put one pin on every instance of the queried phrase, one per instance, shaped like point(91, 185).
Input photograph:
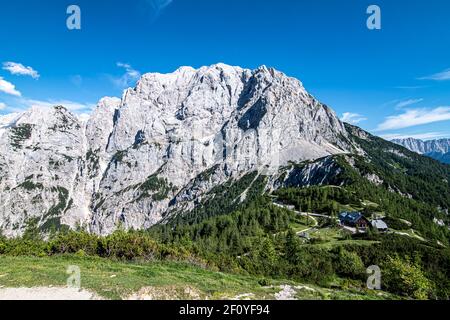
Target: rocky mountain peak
point(139, 158)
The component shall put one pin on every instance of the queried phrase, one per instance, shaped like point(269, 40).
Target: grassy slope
point(116, 280)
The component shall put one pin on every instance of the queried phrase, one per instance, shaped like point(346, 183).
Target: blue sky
point(393, 82)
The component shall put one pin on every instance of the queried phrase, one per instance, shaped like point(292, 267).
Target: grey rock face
point(159, 148)
point(41, 154)
point(424, 147)
point(436, 149)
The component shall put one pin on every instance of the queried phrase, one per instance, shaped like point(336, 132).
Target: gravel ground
point(46, 293)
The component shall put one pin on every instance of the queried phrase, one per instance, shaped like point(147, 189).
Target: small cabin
point(380, 225)
point(354, 220)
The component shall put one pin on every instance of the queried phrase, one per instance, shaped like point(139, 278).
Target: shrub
point(348, 264)
point(406, 278)
point(263, 282)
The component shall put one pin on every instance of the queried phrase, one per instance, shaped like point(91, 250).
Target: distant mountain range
point(436, 149)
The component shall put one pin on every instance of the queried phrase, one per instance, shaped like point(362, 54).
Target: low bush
point(120, 245)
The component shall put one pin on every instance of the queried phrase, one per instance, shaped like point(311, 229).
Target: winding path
point(303, 214)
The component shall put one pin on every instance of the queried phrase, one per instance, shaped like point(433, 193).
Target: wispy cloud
point(410, 87)
point(21, 104)
point(153, 9)
point(415, 117)
point(420, 136)
point(440, 76)
point(21, 70)
point(84, 117)
point(73, 106)
point(353, 118)
point(408, 102)
point(8, 88)
point(158, 5)
point(129, 78)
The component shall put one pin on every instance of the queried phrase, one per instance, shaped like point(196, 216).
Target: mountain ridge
point(136, 156)
point(183, 142)
point(438, 149)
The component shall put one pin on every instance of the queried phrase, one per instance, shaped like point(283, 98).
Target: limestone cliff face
point(159, 148)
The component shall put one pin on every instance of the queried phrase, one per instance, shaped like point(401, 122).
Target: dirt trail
point(289, 292)
point(46, 293)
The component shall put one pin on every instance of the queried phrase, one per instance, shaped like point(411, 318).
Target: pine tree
point(292, 246)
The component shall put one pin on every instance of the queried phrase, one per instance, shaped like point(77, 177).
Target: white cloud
point(353, 118)
point(20, 69)
point(409, 87)
point(2, 106)
point(408, 102)
point(441, 76)
point(415, 117)
point(84, 117)
point(75, 107)
point(420, 136)
point(8, 88)
point(129, 78)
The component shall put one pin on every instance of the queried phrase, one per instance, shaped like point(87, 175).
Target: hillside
point(383, 180)
point(163, 281)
